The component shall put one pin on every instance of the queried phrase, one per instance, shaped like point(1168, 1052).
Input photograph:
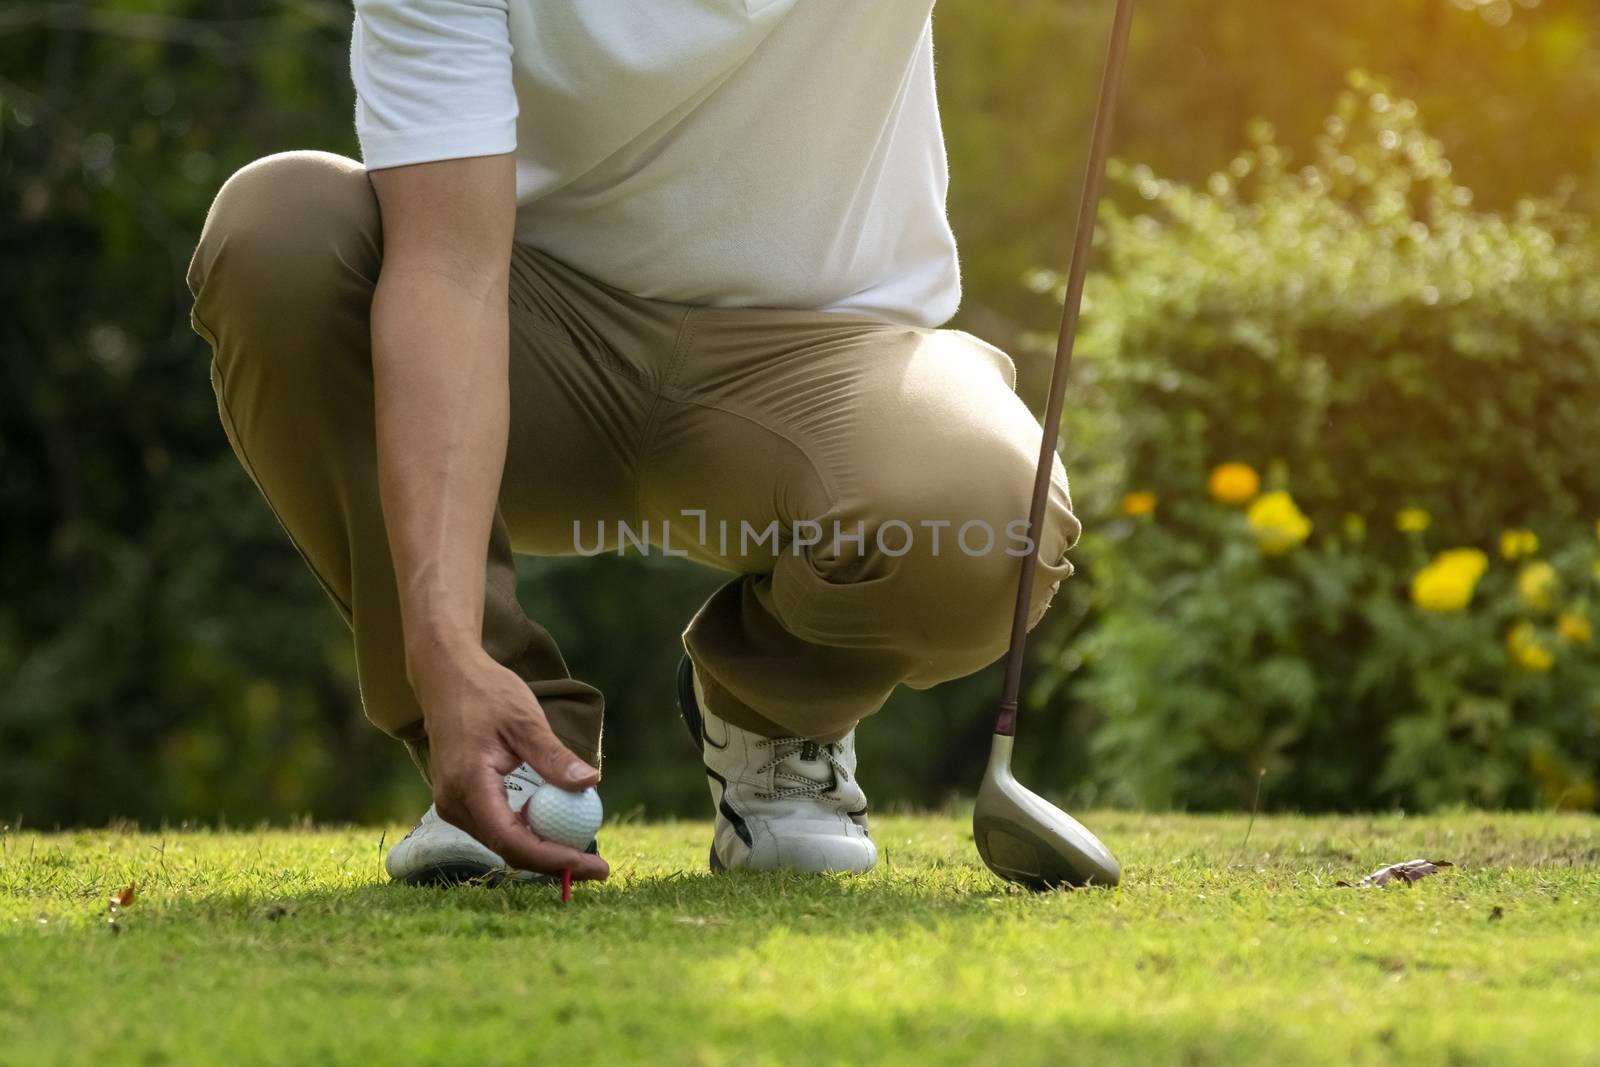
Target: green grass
point(286, 946)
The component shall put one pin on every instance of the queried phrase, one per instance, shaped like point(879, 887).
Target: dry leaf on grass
point(1406, 873)
point(118, 900)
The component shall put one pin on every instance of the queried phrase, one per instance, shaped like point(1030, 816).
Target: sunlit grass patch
point(287, 946)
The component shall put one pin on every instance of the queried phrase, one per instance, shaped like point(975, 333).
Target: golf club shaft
point(1088, 208)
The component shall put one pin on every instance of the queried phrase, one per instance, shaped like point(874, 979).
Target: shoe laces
point(798, 785)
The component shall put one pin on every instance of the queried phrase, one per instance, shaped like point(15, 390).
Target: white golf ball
point(569, 819)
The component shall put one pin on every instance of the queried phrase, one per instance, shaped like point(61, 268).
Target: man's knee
point(954, 602)
point(284, 230)
point(939, 560)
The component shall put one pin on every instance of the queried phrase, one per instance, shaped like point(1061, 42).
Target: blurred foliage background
point(1375, 296)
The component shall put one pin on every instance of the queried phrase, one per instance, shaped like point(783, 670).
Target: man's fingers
point(532, 739)
point(507, 833)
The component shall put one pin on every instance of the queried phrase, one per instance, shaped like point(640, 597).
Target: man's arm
point(440, 339)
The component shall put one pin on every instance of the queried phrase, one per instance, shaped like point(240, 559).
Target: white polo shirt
point(734, 153)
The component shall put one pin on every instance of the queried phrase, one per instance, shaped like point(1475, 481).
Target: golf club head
point(1024, 838)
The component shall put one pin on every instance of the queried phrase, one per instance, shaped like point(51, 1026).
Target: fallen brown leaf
point(1406, 873)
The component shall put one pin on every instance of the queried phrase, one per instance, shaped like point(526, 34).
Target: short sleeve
point(433, 80)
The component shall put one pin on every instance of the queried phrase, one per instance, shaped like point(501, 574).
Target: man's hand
point(482, 723)
point(440, 344)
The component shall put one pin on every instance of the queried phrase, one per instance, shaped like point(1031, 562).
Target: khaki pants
point(845, 469)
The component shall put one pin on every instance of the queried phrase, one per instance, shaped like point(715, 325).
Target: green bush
point(1356, 330)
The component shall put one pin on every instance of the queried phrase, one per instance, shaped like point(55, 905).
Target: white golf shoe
point(782, 803)
point(438, 853)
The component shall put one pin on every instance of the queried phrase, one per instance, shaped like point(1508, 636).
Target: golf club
point(1021, 836)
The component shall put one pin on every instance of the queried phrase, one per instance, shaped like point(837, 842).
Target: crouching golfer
point(615, 272)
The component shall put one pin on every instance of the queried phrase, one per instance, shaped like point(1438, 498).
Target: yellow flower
point(1412, 520)
point(1355, 526)
point(1580, 796)
point(1526, 650)
point(1574, 628)
point(1234, 483)
point(1448, 582)
point(1515, 544)
point(1536, 585)
point(1278, 523)
point(1139, 504)
point(1557, 784)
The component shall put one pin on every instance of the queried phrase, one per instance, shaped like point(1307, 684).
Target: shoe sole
point(446, 875)
point(441, 875)
point(688, 706)
point(689, 711)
